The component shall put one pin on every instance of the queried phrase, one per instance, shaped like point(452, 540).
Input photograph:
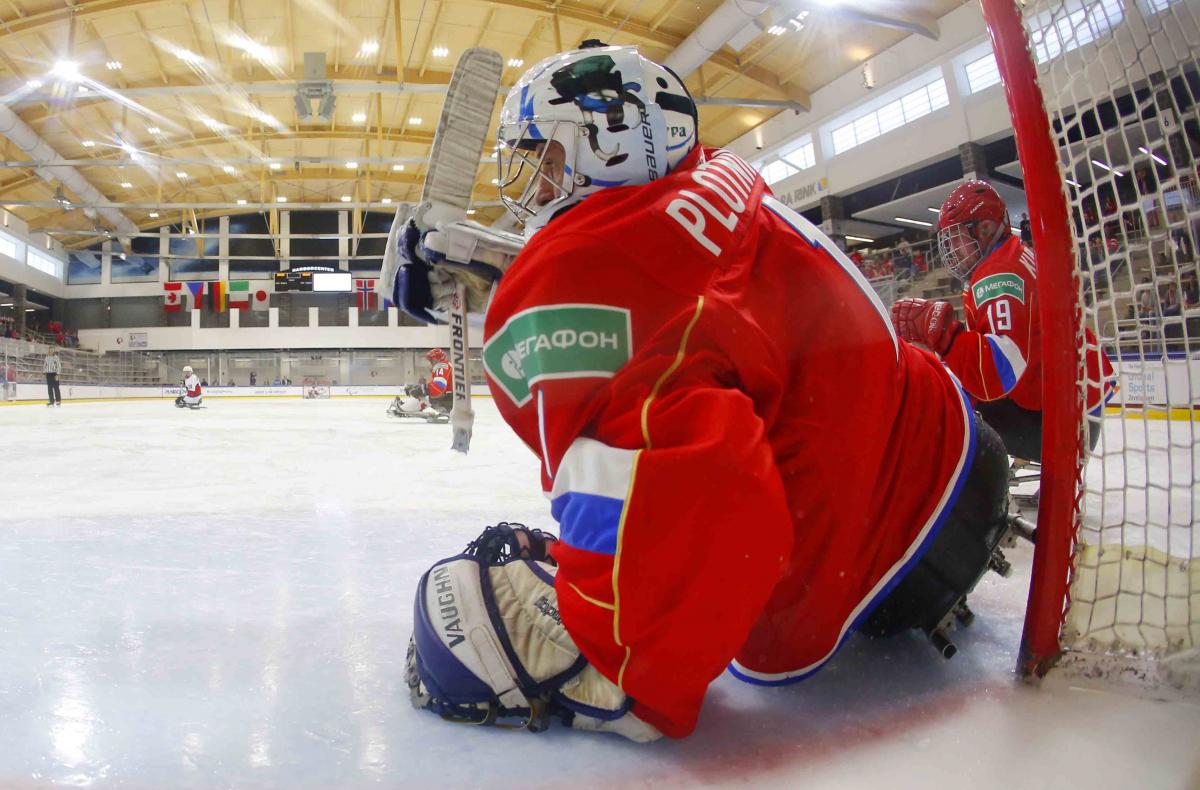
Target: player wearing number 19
point(996, 353)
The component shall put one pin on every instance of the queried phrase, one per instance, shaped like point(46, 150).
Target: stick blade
point(463, 128)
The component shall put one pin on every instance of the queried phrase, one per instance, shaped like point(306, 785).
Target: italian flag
point(239, 295)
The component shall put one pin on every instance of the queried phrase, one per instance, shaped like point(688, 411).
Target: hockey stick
point(461, 135)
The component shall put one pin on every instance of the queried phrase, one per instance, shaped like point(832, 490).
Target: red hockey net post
point(1104, 96)
point(1058, 513)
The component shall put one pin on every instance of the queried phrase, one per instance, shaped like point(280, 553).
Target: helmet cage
point(520, 154)
point(959, 248)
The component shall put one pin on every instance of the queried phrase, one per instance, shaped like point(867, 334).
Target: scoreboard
point(325, 282)
point(293, 281)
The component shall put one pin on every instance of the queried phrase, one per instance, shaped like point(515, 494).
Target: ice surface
point(222, 598)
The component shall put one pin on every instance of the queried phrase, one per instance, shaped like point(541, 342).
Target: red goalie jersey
point(741, 455)
point(999, 353)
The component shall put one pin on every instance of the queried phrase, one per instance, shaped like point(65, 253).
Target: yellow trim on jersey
point(591, 600)
point(667, 373)
point(616, 571)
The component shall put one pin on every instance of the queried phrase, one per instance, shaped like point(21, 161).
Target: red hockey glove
point(932, 323)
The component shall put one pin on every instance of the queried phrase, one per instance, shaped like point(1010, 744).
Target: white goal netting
point(1121, 82)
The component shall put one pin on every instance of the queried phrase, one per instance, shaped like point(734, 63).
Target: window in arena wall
point(8, 246)
point(41, 261)
point(982, 73)
point(1053, 36)
point(799, 155)
point(891, 116)
point(1158, 6)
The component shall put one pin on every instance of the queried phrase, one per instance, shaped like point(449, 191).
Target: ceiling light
point(1153, 156)
point(860, 238)
point(153, 215)
point(33, 84)
point(470, 211)
point(113, 65)
point(385, 200)
point(129, 149)
point(275, 165)
point(368, 48)
point(66, 70)
point(398, 168)
point(515, 63)
point(359, 117)
point(153, 130)
point(230, 169)
point(241, 201)
point(440, 52)
point(181, 174)
point(917, 222)
point(83, 89)
point(1098, 163)
point(281, 199)
point(496, 181)
point(346, 198)
point(1075, 184)
point(88, 143)
point(187, 56)
point(352, 165)
point(776, 30)
point(126, 185)
point(936, 210)
point(415, 120)
point(213, 124)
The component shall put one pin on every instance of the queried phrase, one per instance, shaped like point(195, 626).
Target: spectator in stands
point(1146, 307)
point(857, 257)
point(1026, 230)
point(53, 367)
point(1170, 302)
point(203, 382)
point(1191, 290)
point(253, 379)
point(919, 264)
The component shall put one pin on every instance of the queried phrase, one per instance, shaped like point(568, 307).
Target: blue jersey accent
point(1008, 376)
point(588, 521)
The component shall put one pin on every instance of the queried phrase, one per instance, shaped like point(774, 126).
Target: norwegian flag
point(367, 298)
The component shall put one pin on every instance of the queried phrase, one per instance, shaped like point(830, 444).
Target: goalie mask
point(586, 120)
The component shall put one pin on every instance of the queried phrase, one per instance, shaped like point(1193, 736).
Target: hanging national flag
point(262, 300)
point(239, 295)
point(197, 289)
point(173, 298)
point(367, 298)
point(216, 296)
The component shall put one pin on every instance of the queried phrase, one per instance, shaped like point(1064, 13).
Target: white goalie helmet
point(587, 120)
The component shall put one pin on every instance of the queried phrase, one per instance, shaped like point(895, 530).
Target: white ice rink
point(223, 598)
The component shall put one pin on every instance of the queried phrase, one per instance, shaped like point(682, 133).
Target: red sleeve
point(991, 354)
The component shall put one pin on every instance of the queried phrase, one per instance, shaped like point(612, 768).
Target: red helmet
point(436, 355)
point(961, 241)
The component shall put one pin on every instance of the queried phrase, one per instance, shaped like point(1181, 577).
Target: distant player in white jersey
point(191, 396)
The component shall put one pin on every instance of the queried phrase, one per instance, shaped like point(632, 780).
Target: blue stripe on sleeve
point(1008, 377)
point(588, 521)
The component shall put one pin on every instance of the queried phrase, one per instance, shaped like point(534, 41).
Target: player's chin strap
point(489, 646)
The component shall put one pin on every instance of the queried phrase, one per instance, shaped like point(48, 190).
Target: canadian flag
point(173, 297)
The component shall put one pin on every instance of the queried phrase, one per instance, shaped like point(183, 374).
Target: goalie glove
point(933, 324)
point(431, 263)
point(489, 646)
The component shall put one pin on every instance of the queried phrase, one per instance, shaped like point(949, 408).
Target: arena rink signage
point(569, 341)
